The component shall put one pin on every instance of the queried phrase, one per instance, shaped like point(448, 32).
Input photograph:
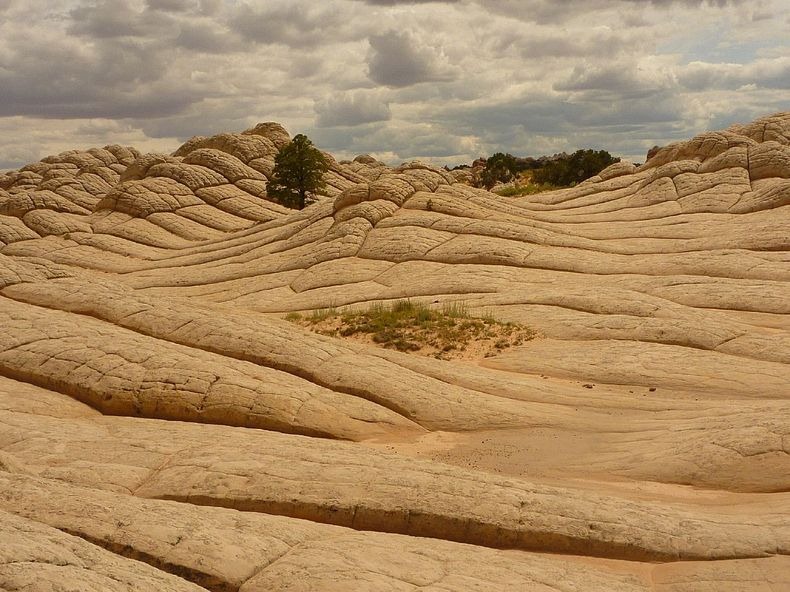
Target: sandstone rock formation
point(206, 188)
point(163, 427)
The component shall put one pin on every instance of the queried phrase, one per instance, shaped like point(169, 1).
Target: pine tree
point(298, 173)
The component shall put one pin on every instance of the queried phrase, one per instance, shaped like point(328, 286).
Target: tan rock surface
point(368, 490)
point(222, 549)
point(37, 557)
point(640, 443)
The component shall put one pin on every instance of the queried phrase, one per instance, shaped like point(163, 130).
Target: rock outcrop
point(162, 426)
point(205, 189)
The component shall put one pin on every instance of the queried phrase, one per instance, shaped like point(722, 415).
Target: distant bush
point(560, 170)
point(574, 169)
point(500, 168)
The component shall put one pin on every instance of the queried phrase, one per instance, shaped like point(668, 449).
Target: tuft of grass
point(321, 314)
point(489, 317)
point(455, 310)
point(413, 326)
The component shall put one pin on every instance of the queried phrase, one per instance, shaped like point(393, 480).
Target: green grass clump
point(321, 314)
point(455, 310)
point(409, 326)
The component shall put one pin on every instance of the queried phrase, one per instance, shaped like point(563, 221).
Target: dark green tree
point(298, 173)
point(575, 168)
point(500, 168)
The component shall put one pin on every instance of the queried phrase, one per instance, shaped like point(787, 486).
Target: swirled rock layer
point(163, 426)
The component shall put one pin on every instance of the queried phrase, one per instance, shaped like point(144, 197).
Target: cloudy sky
point(439, 81)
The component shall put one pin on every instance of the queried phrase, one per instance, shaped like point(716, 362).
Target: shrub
point(574, 169)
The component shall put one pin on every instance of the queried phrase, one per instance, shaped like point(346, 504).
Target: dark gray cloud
point(106, 62)
point(306, 66)
point(297, 24)
point(560, 11)
point(616, 81)
point(171, 5)
point(533, 125)
point(407, 2)
point(716, 3)
point(398, 59)
point(210, 7)
point(160, 23)
point(351, 109)
point(117, 18)
point(158, 102)
point(110, 80)
point(212, 118)
point(209, 37)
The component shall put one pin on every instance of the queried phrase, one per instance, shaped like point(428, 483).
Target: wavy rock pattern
point(208, 187)
point(162, 428)
point(37, 557)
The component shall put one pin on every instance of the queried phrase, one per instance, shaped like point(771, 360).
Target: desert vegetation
point(575, 168)
point(446, 332)
point(528, 176)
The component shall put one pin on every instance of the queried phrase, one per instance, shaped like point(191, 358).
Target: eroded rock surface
point(163, 427)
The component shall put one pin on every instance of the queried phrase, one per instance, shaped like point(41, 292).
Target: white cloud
point(762, 73)
point(431, 79)
point(45, 137)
